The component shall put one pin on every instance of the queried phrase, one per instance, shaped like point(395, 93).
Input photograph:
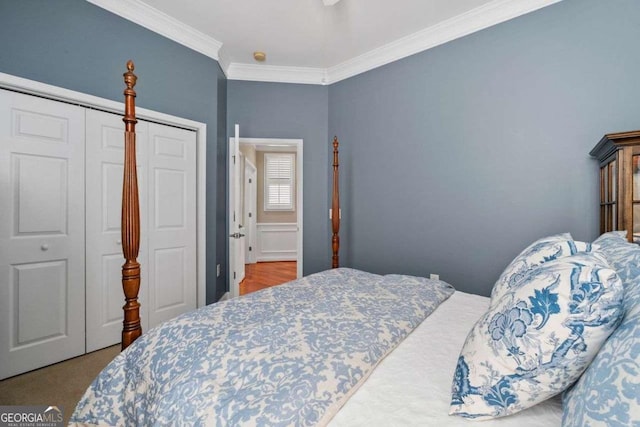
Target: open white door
point(250, 208)
point(236, 254)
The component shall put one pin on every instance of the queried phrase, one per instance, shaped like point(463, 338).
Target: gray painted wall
point(456, 158)
point(452, 160)
point(75, 45)
point(275, 110)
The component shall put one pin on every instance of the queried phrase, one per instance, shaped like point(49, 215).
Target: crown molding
point(492, 13)
point(278, 74)
point(477, 19)
point(163, 24)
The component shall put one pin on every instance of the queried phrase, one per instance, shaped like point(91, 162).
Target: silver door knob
point(118, 242)
point(44, 247)
point(236, 235)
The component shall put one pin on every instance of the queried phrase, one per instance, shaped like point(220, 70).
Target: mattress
point(412, 385)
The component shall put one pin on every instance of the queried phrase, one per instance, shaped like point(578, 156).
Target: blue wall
point(452, 160)
point(456, 158)
point(276, 110)
point(78, 46)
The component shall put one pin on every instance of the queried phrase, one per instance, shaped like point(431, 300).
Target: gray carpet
point(62, 384)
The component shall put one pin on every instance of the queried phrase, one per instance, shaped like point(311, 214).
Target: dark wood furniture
point(619, 156)
point(335, 208)
point(132, 328)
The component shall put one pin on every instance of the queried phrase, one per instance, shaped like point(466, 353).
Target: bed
point(350, 348)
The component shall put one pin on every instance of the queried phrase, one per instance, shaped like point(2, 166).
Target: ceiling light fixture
point(259, 56)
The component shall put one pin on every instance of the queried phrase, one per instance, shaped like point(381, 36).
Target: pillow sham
point(537, 253)
point(538, 337)
point(608, 393)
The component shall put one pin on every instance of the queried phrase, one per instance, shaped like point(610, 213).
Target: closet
point(60, 250)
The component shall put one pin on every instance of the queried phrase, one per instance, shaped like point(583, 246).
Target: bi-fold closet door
point(42, 278)
point(60, 251)
point(166, 166)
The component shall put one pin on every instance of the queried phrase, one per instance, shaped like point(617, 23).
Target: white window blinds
point(278, 181)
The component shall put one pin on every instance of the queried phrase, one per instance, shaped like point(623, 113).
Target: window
point(278, 181)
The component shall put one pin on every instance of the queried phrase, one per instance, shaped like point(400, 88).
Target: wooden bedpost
point(131, 328)
point(335, 208)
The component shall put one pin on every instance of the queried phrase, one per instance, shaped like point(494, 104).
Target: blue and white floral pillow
point(537, 253)
point(608, 393)
point(538, 338)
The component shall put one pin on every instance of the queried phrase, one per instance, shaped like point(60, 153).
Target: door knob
point(44, 247)
point(236, 235)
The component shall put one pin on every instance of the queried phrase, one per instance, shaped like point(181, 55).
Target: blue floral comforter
point(287, 355)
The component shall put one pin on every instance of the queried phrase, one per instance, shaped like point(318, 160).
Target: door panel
point(170, 273)
point(42, 278)
point(172, 222)
point(39, 194)
point(105, 157)
point(250, 202)
point(39, 290)
point(236, 251)
point(170, 199)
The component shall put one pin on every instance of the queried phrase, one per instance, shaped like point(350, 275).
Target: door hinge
point(234, 216)
point(234, 274)
point(249, 214)
point(249, 180)
point(250, 249)
point(234, 159)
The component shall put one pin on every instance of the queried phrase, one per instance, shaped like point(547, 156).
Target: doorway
point(269, 237)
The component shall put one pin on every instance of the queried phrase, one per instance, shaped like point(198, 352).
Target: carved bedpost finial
point(130, 80)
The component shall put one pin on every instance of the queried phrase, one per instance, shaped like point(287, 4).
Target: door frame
point(252, 198)
point(286, 144)
point(19, 84)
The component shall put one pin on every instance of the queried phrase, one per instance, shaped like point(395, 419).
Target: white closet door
point(172, 222)
point(41, 232)
point(105, 158)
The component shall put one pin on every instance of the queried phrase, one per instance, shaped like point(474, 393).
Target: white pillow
point(538, 338)
point(541, 251)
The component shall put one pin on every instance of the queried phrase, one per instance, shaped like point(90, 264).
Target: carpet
point(61, 385)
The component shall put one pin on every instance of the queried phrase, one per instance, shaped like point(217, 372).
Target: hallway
point(266, 274)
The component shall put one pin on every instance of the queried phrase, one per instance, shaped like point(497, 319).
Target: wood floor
point(265, 274)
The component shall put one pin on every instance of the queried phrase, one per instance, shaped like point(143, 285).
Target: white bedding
point(412, 386)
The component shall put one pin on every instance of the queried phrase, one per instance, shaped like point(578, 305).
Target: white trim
point(270, 234)
point(20, 84)
point(492, 13)
point(163, 24)
point(250, 241)
point(477, 19)
point(487, 15)
point(277, 74)
point(298, 144)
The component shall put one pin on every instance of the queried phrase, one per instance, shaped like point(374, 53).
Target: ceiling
point(314, 41)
